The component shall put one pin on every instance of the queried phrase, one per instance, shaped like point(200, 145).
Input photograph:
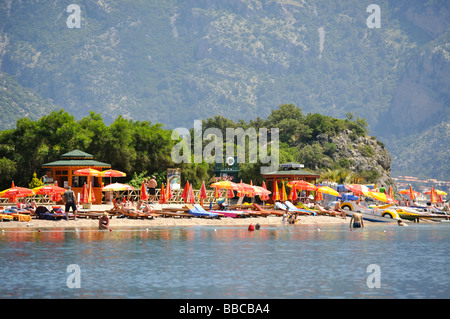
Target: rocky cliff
point(366, 155)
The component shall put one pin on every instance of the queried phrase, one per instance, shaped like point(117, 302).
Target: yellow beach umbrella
point(328, 190)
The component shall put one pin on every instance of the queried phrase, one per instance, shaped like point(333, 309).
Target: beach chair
point(284, 208)
point(266, 211)
point(193, 210)
point(298, 210)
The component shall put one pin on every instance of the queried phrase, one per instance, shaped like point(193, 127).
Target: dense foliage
point(141, 148)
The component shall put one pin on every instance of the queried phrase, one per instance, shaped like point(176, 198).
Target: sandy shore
point(165, 221)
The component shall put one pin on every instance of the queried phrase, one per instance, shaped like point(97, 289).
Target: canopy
point(358, 189)
point(112, 173)
point(118, 187)
point(328, 190)
point(87, 172)
point(303, 185)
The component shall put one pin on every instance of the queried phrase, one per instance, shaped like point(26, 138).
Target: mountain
point(176, 61)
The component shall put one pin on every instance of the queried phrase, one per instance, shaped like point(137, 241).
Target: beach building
point(290, 171)
point(62, 172)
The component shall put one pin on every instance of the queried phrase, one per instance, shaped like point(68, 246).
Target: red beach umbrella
point(190, 196)
point(84, 197)
point(184, 195)
point(230, 193)
point(91, 194)
point(264, 196)
point(303, 185)
point(144, 195)
point(203, 194)
point(358, 189)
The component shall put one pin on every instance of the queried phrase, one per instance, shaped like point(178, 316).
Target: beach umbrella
point(303, 185)
point(50, 190)
point(169, 194)
point(391, 192)
point(265, 195)
point(252, 194)
point(144, 194)
point(14, 192)
point(53, 191)
point(275, 192)
point(225, 185)
point(244, 189)
point(408, 192)
point(112, 173)
point(87, 172)
point(261, 192)
point(318, 196)
point(230, 193)
point(184, 195)
point(84, 197)
point(203, 194)
point(162, 195)
point(358, 189)
point(437, 192)
point(283, 194)
point(91, 195)
point(411, 193)
point(328, 190)
point(190, 196)
point(293, 194)
point(217, 192)
point(117, 187)
point(380, 196)
point(432, 195)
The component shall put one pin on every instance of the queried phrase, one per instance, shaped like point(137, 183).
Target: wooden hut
point(62, 172)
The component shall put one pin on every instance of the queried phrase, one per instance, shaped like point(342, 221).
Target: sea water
point(290, 261)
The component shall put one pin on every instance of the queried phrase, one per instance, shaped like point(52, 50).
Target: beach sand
point(165, 221)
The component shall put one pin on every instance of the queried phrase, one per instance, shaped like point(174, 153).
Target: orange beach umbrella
point(162, 195)
point(144, 194)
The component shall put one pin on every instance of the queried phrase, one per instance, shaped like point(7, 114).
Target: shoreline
point(116, 223)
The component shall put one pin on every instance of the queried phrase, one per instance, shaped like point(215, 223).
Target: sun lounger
point(298, 210)
point(165, 213)
point(266, 211)
point(6, 217)
point(200, 212)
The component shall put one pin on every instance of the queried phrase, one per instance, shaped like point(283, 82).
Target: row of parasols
point(55, 191)
point(242, 189)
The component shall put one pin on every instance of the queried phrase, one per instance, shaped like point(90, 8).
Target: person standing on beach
point(152, 188)
point(357, 220)
point(70, 201)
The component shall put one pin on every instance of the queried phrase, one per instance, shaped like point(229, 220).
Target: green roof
point(77, 158)
point(77, 154)
point(90, 163)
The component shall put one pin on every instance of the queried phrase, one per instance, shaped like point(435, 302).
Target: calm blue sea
point(290, 261)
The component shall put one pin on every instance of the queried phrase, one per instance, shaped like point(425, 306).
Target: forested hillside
point(174, 61)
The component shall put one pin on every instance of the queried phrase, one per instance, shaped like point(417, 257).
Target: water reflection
point(292, 261)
